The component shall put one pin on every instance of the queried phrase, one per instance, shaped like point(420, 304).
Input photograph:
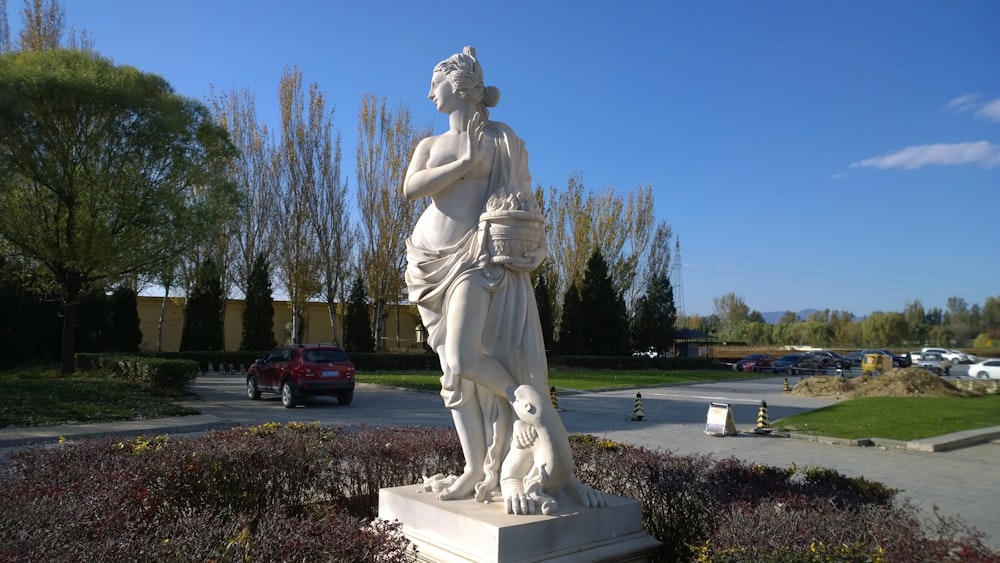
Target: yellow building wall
point(316, 325)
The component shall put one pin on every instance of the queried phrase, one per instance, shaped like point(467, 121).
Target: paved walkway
point(956, 473)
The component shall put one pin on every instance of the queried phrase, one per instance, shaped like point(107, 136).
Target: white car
point(988, 368)
point(953, 356)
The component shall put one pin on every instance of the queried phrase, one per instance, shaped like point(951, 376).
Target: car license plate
point(331, 373)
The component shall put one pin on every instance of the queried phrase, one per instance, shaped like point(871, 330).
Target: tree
point(258, 312)
point(655, 316)
point(126, 335)
point(916, 319)
point(386, 140)
point(991, 317)
point(733, 314)
point(357, 328)
point(331, 219)
point(546, 310)
point(611, 223)
point(44, 22)
point(203, 326)
point(299, 167)
point(254, 172)
point(4, 28)
point(571, 329)
point(884, 329)
point(102, 164)
point(606, 330)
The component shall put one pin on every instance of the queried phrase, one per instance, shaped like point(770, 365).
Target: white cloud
point(963, 103)
point(990, 110)
point(982, 153)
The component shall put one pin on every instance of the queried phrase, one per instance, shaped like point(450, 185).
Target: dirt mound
point(897, 382)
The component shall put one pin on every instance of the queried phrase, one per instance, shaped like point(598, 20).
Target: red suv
point(299, 371)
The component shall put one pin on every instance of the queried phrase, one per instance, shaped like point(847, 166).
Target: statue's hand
point(474, 134)
point(519, 503)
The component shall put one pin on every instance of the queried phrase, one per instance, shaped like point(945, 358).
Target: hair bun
point(491, 96)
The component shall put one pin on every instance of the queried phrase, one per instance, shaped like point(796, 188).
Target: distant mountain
point(773, 317)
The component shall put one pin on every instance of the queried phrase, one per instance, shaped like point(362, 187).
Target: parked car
point(796, 364)
point(300, 371)
point(988, 368)
point(855, 358)
point(832, 359)
point(897, 360)
point(914, 356)
point(955, 356)
point(755, 363)
point(933, 361)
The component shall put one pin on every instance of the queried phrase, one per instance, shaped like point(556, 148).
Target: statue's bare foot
point(586, 496)
point(463, 487)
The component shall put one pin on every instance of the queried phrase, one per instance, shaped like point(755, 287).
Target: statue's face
point(442, 93)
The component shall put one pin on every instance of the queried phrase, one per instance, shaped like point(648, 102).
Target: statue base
point(467, 531)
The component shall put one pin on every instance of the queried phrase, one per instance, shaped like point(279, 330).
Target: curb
point(31, 435)
point(947, 442)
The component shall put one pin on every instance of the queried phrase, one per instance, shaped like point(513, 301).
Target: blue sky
point(841, 155)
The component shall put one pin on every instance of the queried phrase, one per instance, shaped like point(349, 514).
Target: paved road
point(960, 482)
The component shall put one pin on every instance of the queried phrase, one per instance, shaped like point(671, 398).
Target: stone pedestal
point(467, 531)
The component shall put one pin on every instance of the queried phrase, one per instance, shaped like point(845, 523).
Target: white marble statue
point(468, 264)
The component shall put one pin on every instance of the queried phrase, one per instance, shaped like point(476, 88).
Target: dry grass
point(897, 382)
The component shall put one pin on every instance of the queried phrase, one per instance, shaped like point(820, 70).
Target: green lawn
point(896, 418)
point(37, 397)
point(566, 379)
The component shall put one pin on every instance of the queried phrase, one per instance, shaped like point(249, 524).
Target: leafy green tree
point(571, 327)
point(357, 326)
point(733, 314)
point(203, 324)
point(258, 313)
point(916, 319)
point(959, 318)
point(606, 330)
point(125, 334)
point(105, 165)
point(983, 341)
point(546, 311)
point(884, 329)
point(655, 316)
point(991, 316)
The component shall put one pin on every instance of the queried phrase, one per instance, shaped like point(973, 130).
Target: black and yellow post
point(552, 395)
point(786, 388)
point(637, 412)
point(763, 424)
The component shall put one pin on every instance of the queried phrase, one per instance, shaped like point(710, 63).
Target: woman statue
point(468, 264)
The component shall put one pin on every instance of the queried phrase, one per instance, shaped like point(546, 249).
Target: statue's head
point(466, 75)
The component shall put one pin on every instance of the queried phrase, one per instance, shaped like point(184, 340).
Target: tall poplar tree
point(301, 166)
point(386, 140)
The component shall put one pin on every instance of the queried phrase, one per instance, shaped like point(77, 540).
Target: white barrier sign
point(720, 420)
